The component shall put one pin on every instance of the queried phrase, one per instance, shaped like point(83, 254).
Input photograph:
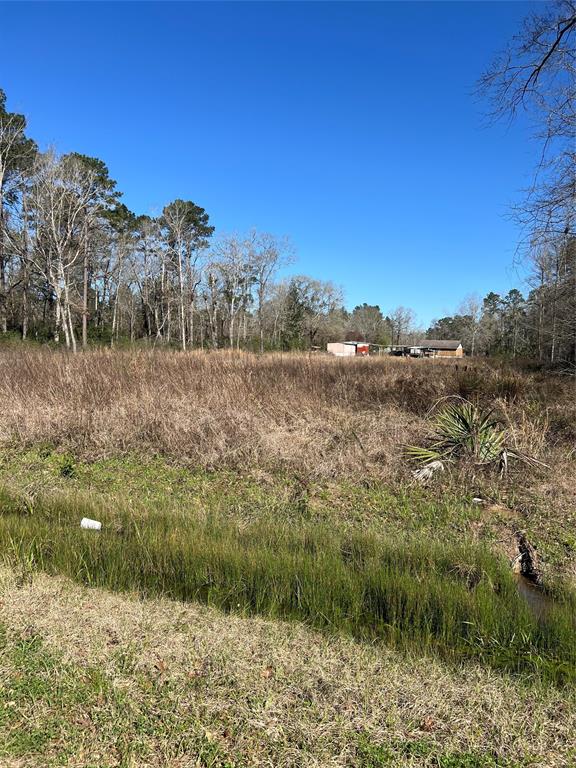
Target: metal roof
point(440, 343)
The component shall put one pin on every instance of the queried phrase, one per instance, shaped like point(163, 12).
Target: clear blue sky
point(350, 127)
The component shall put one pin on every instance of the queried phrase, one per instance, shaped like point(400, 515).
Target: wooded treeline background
point(78, 267)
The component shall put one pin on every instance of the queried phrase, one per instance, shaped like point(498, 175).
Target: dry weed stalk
point(237, 410)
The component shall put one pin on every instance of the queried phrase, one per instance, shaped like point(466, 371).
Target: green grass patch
point(458, 601)
point(151, 482)
point(56, 712)
point(372, 755)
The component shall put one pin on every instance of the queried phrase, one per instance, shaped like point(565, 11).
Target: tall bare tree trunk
point(182, 305)
point(24, 313)
point(3, 276)
point(260, 320)
point(68, 321)
point(57, 320)
point(85, 301)
point(25, 288)
point(191, 322)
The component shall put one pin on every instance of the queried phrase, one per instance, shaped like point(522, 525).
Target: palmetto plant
point(463, 432)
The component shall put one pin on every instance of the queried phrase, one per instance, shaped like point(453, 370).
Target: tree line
point(77, 266)
point(540, 325)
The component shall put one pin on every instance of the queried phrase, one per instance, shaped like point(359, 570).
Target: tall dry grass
point(322, 415)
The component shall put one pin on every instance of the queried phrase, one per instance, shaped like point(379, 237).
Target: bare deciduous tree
point(61, 195)
point(402, 321)
point(268, 255)
point(471, 309)
point(537, 73)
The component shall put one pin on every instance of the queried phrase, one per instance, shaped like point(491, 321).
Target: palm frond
point(423, 455)
point(462, 431)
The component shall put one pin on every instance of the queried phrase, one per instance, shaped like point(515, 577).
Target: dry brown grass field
point(325, 416)
point(315, 418)
point(299, 442)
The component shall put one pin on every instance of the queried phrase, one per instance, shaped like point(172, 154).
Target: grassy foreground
point(92, 679)
point(459, 601)
point(315, 421)
point(247, 504)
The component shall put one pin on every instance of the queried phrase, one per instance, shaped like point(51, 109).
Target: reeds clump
point(456, 601)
